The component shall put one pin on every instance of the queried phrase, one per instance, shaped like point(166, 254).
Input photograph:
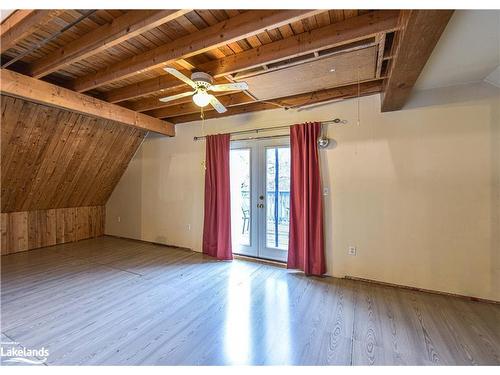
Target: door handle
point(260, 205)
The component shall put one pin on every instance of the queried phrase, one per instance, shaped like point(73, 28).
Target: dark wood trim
point(32, 89)
point(419, 33)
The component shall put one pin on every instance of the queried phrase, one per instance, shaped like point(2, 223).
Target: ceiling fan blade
point(178, 96)
point(217, 105)
point(181, 76)
point(236, 86)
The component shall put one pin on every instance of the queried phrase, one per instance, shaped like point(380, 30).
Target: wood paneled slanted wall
point(58, 170)
point(27, 230)
point(52, 158)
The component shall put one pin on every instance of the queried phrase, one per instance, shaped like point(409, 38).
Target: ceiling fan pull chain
point(202, 116)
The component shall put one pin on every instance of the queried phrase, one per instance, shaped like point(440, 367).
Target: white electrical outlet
point(326, 191)
point(351, 250)
point(119, 219)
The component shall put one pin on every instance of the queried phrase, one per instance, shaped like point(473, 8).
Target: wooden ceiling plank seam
point(187, 25)
point(93, 137)
point(131, 24)
point(10, 116)
point(207, 16)
point(50, 159)
point(12, 34)
point(353, 29)
point(349, 13)
point(219, 15)
point(92, 193)
point(87, 181)
point(56, 180)
point(74, 198)
point(35, 171)
point(54, 173)
point(231, 12)
point(26, 132)
point(87, 192)
point(18, 85)
point(21, 131)
point(214, 36)
point(420, 32)
point(349, 31)
point(115, 149)
point(254, 41)
point(323, 19)
point(118, 172)
point(297, 27)
point(82, 137)
point(32, 160)
point(14, 19)
point(286, 31)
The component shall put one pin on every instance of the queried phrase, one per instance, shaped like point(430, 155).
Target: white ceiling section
point(4, 13)
point(468, 51)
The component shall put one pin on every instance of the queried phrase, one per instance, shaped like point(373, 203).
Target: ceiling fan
point(202, 83)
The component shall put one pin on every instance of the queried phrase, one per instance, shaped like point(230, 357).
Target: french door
point(260, 197)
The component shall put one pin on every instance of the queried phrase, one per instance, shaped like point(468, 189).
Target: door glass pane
point(277, 197)
point(240, 197)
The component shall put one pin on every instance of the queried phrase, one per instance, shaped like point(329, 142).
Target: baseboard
point(151, 242)
point(260, 260)
point(354, 278)
point(470, 298)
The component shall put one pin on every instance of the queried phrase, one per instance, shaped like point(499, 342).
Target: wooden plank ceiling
point(117, 55)
point(53, 158)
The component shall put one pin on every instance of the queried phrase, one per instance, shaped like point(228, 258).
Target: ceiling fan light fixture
point(201, 98)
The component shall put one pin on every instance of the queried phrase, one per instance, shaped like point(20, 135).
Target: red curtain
point(217, 218)
point(306, 245)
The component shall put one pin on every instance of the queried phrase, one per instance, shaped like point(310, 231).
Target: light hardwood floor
point(119, 302)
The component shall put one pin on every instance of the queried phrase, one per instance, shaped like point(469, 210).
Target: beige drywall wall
point(416, 191)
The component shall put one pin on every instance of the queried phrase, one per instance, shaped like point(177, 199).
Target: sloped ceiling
point(467, 52)
point(53, 158)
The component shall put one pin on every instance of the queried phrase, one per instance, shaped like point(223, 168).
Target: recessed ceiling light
point(332, 70)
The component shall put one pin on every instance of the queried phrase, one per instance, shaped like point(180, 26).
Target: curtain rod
point(258, 130)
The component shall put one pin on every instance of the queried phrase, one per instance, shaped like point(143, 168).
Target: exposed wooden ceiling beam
point(125, 27)
point(420, 32)
point(252, 107)
point(21, 24)
point(344, 92)
point(189, 107)
point(14, 18)
point(149, 86)
point(231, 30)
point(18, 85)
point(336, 34)
point(339, 33)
